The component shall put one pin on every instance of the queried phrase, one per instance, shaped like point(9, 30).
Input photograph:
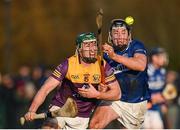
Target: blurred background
point(36, 35)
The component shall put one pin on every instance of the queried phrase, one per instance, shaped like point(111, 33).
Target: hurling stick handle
point(40, 116)
point(37, 116)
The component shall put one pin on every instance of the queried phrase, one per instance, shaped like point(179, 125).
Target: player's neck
point(84, 63)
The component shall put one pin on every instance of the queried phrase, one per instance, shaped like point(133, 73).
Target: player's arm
point(157, 98)
point(48, 86)
point(138, 62)
point(51, 83)
point(113, 92)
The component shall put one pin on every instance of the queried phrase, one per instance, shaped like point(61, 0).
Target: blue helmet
point(119, 23)
point(115, 23)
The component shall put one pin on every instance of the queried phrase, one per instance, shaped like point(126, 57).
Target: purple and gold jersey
point(74, 75)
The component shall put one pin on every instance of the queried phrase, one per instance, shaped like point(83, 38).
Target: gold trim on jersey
point(57, 73)
point(110, 78)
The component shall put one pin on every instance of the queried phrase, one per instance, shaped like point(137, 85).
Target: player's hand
point(29, 116)
point(109, 50)
point(102, 87)
point(90, 92)
point(157, 98)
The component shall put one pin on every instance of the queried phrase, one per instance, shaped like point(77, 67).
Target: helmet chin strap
point(119, 47)
point(122, 47)
point(87, 60)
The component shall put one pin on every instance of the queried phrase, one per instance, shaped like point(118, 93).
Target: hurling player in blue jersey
point(157, 81)
point(129, 61)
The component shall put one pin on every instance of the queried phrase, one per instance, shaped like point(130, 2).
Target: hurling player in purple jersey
point(129, 61)
point(78, 77)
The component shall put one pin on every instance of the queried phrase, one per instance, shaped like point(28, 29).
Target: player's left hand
point(90, 92)
point(157, 98)
point(29, 116)
point(109, 50)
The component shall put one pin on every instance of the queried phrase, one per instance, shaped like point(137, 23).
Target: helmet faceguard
point(120, 42)
point(87, 47)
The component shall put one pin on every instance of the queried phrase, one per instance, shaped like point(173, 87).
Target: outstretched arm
point(48, 86)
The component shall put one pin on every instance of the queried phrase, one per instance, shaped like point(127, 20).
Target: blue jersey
point(156, 82)
point(134, 84)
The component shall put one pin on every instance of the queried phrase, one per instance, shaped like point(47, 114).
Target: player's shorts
point(131, 115)
point(71, 123)
point(153, 120)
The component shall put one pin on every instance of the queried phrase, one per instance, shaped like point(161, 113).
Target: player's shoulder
point(136, 43)
point(63, 63)
point(138, 47)
point(62, 67)
point(72, 58)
